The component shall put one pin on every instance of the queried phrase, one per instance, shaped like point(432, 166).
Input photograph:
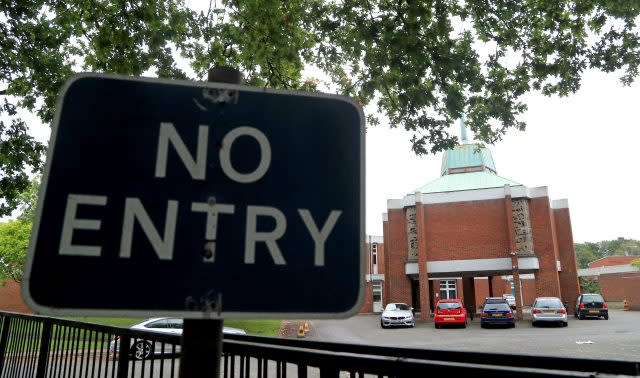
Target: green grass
point(253, 327)
point(117, 322)
point(256, 327)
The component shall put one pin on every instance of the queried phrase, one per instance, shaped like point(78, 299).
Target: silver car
point(397, 314)
point(141, 349)
point(548, 309)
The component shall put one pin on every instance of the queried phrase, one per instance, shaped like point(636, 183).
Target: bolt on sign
point(199, 200)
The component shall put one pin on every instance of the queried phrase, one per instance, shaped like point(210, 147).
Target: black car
point(591, 305)
point(496, 312)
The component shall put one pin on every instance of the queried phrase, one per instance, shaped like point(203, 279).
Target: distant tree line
point(588, 252)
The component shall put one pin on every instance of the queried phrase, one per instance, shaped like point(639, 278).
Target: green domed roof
point(467, 158)
point(466, 167)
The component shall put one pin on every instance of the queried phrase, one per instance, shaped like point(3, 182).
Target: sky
point(584, 147)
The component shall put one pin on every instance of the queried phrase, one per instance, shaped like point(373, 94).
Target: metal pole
point(201, 348)
point(202, 338)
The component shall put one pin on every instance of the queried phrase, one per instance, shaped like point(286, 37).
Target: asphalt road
point(615, 339)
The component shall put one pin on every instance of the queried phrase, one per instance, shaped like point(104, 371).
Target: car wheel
point(464, 325)
point(382, 324)
point(141, 350)
point(437, 325)
point(606, 317)
point(534, 324)
point(565, 324)
point(482, 325)
point(580, 316)
point(513, 325)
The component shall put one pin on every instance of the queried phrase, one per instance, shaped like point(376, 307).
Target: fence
point(36, 346)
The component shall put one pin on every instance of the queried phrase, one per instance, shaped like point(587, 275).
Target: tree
point(14, 241)
point(586, 253)
point(624, 247)
point(589, 285)
point(28, 200)
point(636, 263)
point(424, 63)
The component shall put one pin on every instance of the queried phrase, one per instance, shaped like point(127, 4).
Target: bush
point(589, 286)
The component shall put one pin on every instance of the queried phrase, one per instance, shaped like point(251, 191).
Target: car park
point(496, 312)
point(511, 300)
point(548, 310)
point(591, 305)
point(141, 349)
point(397, 314)
point(449, 312)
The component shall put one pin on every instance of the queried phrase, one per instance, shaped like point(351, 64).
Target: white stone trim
point(526, 192)
point(374, 277)
point(481, 278)
point(444, 278)
point(628, 268)
point(395, 204)
point(411, 268)
point(479, 265)
point(385, 217)
point(375, 239)
point(527, 276)
point(463, 196)
point(560, 204)
point(467, 195)
point(559, 266)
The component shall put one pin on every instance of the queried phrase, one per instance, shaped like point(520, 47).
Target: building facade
point(471, 234)
point(617, 278)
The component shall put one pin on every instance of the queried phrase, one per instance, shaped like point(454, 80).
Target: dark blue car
point(497, 314)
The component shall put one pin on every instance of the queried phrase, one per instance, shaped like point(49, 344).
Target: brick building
point(10, 298)
point(618, 279)
point(471, 234)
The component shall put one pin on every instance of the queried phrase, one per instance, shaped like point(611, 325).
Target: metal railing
point(37, 346)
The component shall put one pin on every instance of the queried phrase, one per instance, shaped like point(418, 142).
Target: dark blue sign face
point(199, 199)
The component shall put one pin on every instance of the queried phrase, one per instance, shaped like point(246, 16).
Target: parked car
point(397, 314)
point(548, 309)
point(511, 300)
point(450, 311)
point(591, 305)
point(141, 349)
point(496, 312)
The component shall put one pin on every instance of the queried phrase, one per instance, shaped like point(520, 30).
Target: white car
point(511, 300)
point(141, 349)
point(397, 314)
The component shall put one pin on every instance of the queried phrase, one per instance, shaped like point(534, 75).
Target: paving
point(615, 339)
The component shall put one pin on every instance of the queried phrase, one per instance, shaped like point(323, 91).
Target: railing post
point(4, 336)
point(43, 353)
point(123, 356)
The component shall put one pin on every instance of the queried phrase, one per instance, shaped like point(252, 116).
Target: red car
point(450, 311)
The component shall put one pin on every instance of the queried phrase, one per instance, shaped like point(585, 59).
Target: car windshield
point(592, 298)
point(548, 303)
point(448, 305)
point(497, 307)
point(397, 307)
